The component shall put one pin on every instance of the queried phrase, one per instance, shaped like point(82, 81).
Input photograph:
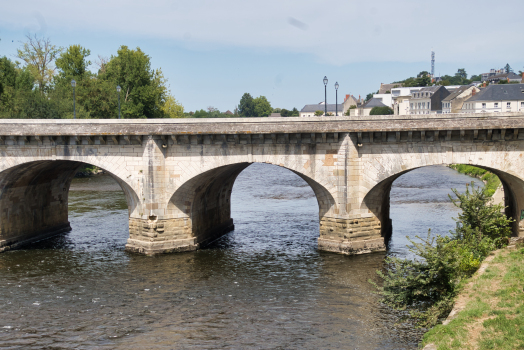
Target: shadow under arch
point(204, 201)
point(377, 200)
point(34, 200)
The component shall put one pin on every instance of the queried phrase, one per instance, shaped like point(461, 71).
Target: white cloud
point(337, 32)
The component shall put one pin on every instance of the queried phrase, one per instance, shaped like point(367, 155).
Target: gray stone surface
point(178, 175)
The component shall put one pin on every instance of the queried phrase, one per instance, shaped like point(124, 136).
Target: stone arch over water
point(503, 162)
point(34, 200)
point(201, 207)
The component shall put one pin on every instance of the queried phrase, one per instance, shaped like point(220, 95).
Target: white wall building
point(496, 98)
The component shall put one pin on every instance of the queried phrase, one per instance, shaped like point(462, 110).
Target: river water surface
point(262, 286)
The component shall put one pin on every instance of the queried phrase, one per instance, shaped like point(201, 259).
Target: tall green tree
point(507, 68)
point(39, 55)
point(143, 89)
point(246, 107)
point(262, 107)
point(73, 62)
point(461, 72)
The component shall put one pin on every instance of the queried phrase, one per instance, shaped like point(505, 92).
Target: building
point(496, 98)
point(309, 110)
point(454, 101)
point(366, 108)
point(428, 100)
point(386, 99)
point(492, 72)
point(351, 100)
point(387, 88)
point(509, 77)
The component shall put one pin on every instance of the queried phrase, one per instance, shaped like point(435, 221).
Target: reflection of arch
point(205, 201)
point(377, 200)
point(34, 200)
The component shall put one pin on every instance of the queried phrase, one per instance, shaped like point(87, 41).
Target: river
point(262, 286)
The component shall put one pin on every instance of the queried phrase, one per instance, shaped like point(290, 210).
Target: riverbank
point(491, 181)
point(489, 312)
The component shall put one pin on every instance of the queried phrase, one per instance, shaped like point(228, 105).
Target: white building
point(496, 98)
point(453, 102)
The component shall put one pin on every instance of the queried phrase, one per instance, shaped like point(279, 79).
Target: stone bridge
point(177, 175)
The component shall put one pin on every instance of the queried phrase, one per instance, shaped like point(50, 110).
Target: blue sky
point(214, 51)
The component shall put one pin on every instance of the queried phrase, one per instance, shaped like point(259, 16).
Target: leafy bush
point(380, 111)
point(426, 287)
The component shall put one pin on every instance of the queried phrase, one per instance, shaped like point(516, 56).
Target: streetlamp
point(118, 89)
point(325, 95)
point(336, 99)
point(73, 84)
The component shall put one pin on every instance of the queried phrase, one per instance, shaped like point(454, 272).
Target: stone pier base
point(351, 236)
point(152, 236)
point(25, 239)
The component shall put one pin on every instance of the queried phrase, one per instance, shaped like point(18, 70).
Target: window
point(508, 105)
point(522, 104)
point(411, 105)
point(483, 105)
point(496, 105)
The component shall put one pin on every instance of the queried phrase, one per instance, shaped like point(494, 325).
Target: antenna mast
point(432, 63)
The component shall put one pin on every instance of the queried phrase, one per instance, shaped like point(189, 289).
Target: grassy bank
point(492, 182)
point(492, 304)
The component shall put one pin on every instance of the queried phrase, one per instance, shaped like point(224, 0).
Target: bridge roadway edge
point(349, 162)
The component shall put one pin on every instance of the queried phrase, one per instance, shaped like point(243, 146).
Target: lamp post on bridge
point(336, 99)
point(73, 84)
point(325, 95)
point(118, 89)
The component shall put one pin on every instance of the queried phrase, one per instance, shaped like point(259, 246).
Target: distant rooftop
point(374, 102)
point(506, 92)
point(320, 107)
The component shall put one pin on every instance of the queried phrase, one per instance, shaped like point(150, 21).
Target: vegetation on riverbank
point(427, 286)
point(492, 181)
point(87, 170)
point(493, 308)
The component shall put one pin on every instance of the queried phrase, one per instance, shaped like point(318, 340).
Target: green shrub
point(426, 287)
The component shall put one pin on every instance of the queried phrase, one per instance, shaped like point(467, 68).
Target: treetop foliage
point(41, 88)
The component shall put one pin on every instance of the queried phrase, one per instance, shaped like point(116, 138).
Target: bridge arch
point(34, 199)
point(377, 199)
point(201, 207)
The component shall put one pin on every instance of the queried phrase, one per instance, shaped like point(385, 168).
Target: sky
point(213, 51)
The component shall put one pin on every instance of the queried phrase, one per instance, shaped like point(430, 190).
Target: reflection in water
point(262, 286)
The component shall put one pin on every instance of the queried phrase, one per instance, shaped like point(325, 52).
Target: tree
point(461, 72)
point(39, 54)
point(172, 108)
point(73, 62)
point(381, 111)
point(262, 107)
point(369, 96)
point(143, 88)
point(507, 68)
point(295, 112)
point(246, 107)
point(319, 113)
point(423, 79)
